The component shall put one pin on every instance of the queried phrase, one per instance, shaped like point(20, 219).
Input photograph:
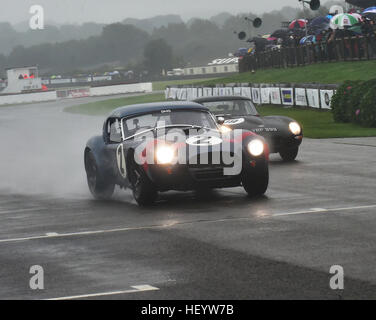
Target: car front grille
point(208, 174)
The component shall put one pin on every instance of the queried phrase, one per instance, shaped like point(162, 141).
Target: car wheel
point(144, 192)
point(289, 154)
point(256, 183)
point(100, 188)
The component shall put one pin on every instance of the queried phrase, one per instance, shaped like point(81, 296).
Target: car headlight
point(225, 129)
point(256, 147)
point(295, 128)
point(165, 155)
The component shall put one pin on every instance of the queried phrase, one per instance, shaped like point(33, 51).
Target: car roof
point(220, 98)
point(136, 109)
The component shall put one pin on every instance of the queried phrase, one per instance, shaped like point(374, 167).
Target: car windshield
point(231, 107)
point(163, 118)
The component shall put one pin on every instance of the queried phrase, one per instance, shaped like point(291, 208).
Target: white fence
point(28, 98)
point(75, 93)
point(314, 96)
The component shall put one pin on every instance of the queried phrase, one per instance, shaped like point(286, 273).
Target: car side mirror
point(220, 120)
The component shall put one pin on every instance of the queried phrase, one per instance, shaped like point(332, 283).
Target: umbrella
point(358, 16)
point(370, 13)
point(369, 10)
point(340, 21)
point(298, 23)
point(319, 24)
point(357, 30)
point(319, 21)
point(266, 36)
point(272, 39)
point(308, 40)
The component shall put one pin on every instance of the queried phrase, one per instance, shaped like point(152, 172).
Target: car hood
point(263, 126)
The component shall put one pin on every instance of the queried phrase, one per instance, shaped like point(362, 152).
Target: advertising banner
point(182, 94)
point(256, 98)
point(229, 91)
point(207, 92)
point(326, 98)
point(237, 91)
point(265, 95)
point(275, 96)
point(301, 97)
point(313, 98)
point(287, 96)
point(246, 92)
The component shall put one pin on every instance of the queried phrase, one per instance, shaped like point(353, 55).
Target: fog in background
point(79, 11)
point(44, 154)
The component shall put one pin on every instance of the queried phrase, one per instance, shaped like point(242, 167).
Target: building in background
point(217, 66)
point(24, 79)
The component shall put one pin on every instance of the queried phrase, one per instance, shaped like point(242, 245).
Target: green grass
point(319, 124)
point(104, 107)
point(161, 85)
point(334, 72)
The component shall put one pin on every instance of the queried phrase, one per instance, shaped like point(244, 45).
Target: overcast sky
point(78, 11)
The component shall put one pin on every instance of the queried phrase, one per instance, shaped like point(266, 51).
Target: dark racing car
point(284, 135)
point(164, 146)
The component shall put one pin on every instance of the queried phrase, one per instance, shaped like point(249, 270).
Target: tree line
point(177, 44)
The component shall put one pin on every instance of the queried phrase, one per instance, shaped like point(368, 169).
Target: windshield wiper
point(193, 126)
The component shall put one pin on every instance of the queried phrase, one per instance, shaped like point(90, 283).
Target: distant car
point(284, 135)
point(182, 149)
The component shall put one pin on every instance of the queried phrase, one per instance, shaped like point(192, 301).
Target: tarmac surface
point(319, 211)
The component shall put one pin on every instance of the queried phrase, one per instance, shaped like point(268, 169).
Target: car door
point(115, 151)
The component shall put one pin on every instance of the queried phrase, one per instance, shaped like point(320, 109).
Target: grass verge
point(317, 124)
point(327, 72)
point(104, 107)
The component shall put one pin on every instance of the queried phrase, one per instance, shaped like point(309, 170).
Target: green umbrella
point(340, 21)
point(356, 29)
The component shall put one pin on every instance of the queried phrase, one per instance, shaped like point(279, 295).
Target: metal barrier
point(344, 49)
point(316, 96)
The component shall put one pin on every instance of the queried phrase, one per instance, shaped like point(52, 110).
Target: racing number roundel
point(121, 161)
point(204, 141)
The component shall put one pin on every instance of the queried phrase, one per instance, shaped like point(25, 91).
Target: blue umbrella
point(319, 21)
point(308, 40)
point(370, 13)
point(319, 24)
point(370, 10)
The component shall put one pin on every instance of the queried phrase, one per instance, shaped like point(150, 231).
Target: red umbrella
point(299, 23)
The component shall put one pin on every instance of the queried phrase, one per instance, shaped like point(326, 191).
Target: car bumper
point(278, 143)
point(193, 177)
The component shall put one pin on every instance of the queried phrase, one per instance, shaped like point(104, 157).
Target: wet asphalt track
point(318, 212)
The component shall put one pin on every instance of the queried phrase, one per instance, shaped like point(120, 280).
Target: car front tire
point(290, 154)
point(256, 183)
point(144, 192)
point(99, 186)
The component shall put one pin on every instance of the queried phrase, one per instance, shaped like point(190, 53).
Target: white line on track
point(54, 235)
point(141, 288)
point(322, 210)
point(21, 210)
